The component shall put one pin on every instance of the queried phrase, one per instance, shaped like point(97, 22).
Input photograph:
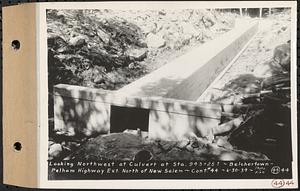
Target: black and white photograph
point(169, 93)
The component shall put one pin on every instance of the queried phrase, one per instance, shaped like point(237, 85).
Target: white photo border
point(42, 60)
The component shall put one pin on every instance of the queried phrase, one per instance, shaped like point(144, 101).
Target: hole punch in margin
point(16, 45)
point(17, 146)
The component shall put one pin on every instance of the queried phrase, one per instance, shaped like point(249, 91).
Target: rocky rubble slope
point(109, 49)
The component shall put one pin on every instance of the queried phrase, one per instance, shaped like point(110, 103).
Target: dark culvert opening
point(123, 118)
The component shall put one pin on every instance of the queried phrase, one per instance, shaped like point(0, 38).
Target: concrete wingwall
point(162, 102)
point(192, 87)
point(188, 76)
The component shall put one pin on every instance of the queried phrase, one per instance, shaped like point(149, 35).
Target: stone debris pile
point(109, 49)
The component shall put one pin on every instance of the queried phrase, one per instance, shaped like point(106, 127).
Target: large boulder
point(77, 41)
point(155, 41)
point(56, 42)
point(103, 35)
point(55, 150)
point(282, 55)
point(137, 54)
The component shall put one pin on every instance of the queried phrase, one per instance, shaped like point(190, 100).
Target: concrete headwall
point(80, 110)
point(86, 111)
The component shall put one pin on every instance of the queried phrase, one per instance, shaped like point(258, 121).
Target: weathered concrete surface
point(188, 76)
point(86, 111)
point(174, 126)
point(80, 110)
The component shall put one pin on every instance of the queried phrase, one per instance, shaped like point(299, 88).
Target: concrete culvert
point(143, 155)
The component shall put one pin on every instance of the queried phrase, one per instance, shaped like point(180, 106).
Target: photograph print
point(169, 93)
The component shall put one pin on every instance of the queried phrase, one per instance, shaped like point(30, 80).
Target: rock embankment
point(109, 49)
